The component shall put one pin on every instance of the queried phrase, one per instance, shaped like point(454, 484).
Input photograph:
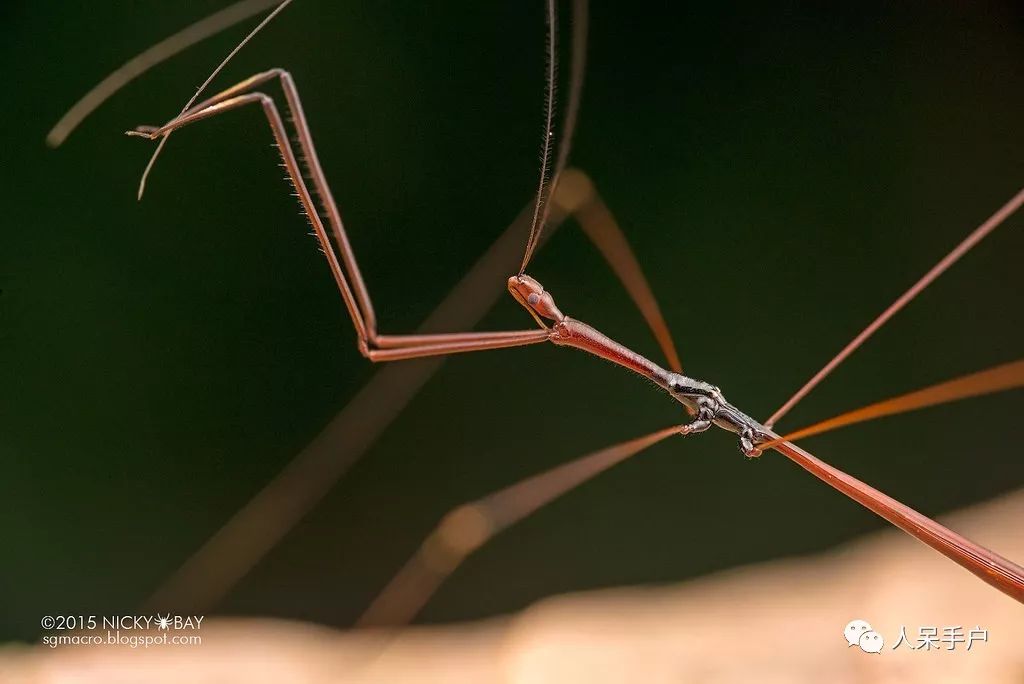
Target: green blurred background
point(782, 173)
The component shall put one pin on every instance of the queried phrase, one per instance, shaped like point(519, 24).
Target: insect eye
point(533, 299)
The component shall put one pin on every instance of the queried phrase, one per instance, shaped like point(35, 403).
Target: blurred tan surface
point(773, 622)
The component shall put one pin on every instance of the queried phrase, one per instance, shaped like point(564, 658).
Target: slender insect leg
point(312, 160)
point(153, 55)
point(496, 340)
point(467, 527)
point(252, 531)
point(413, 345)
point(1001, 573)
point(401, 347)
point(1000, 378)
point(702, 422)
point(258, 526)
point(576, 194)
point(967, 244)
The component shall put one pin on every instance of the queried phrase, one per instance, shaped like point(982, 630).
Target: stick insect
point(467, 527)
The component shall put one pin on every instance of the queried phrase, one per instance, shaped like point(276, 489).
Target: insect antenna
point(544, 185)
point(549, 180)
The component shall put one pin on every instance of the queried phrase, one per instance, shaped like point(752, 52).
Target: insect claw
point(747, 446)
point(143, 132)
point(699, 425)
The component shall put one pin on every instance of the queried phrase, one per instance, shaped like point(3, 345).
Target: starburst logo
point(163, 622)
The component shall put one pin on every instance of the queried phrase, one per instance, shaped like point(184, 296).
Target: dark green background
point(782, 173)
